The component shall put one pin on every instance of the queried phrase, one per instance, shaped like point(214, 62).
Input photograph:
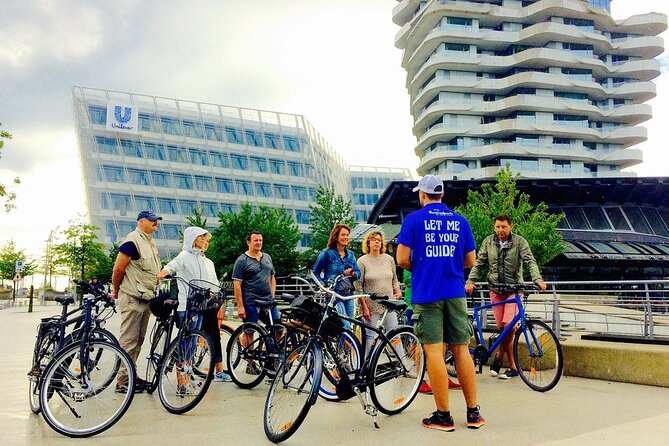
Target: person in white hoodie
point(190, 264)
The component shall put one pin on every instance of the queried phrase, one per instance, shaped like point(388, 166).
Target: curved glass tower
point(555, 88)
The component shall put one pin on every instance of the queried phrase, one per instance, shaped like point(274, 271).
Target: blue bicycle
point(536, 348)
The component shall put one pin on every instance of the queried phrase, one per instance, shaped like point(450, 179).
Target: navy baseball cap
point(149, 215)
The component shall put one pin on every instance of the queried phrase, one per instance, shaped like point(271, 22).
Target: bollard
point(30, 301)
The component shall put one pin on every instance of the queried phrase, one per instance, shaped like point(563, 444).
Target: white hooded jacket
point(191, 264)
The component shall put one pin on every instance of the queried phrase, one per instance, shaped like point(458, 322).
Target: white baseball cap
point(430, 185)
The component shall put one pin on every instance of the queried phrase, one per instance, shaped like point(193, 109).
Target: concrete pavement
point(578, 411)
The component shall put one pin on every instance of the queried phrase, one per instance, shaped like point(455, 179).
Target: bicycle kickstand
point(369, 408)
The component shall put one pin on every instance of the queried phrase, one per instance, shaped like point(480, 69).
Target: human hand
point(366, 314)
point(348, 272)
point(469, 288)
point(542, 285)
point(114, 295)
point(241, 312)
point(397, 293)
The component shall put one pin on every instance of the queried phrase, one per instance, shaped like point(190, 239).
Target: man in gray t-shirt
point(253, 277)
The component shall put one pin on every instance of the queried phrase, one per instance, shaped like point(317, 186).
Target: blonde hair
point(367, 238)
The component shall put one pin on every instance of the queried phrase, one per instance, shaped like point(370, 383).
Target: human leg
point(134, 322)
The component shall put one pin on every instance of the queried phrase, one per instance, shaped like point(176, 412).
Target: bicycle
point(52, 337)
point(539, 361)
point(254, 350)
point(77, 398)
point(389, 376)
point(183, 368)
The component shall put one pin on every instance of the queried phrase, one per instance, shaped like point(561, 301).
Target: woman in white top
point(190, 264)
point(378, 274)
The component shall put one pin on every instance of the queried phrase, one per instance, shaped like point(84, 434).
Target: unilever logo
point(122, 119)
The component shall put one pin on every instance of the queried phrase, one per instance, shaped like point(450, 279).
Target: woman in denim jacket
point(335, 260)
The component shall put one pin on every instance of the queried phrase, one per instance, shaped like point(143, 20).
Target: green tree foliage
point(8, 257)
point(6, 194)
point(280, 237)
point(103, 270)
point(81, 252)
point(197, 219)
point(330, 209)
point(534, 223)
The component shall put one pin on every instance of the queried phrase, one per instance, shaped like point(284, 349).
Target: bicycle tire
point(292, 392)
point(96, 333)
point(43, 353)
point(247, 365)
point(542, 369)
point(347, 347)
point(73, 401)
point(392, 389)
point(186, 372)
point(155, 358)
point(226, 335)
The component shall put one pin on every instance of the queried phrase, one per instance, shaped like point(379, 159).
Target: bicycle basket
point(303, 314)
point(204, 296)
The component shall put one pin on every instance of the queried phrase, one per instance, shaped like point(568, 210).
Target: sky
point(332, 61)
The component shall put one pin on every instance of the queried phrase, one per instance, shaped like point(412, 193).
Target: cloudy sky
point(333, 61)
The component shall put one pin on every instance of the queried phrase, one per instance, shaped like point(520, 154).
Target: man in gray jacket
point(505, 254)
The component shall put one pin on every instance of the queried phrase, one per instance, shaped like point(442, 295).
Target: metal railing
point(628, 308)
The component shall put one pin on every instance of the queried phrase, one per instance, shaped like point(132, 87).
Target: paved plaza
point(577, 412)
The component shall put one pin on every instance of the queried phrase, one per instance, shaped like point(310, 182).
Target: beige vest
point(140, 275)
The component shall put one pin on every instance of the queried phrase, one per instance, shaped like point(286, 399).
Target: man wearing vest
point(134, 279)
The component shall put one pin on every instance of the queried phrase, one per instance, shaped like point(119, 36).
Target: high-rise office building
point(172, 156)
point(555, 88)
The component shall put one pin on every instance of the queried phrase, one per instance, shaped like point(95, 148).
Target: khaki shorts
point(442, 321)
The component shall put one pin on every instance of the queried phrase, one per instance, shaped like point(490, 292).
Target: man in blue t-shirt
point(436, 245)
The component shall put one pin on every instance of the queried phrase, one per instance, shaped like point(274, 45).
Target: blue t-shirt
point(439, 239)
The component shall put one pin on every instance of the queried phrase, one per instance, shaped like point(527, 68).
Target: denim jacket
point(329, 265)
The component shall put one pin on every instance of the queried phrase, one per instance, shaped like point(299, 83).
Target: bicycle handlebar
point(332, 292)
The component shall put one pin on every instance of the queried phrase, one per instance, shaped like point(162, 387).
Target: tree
point(197, 219)
point(81, 252)
point(534, 223)
point(280, 237)
point(6, 194)
point(103, 270)
point(8, 257)
point(329, 210)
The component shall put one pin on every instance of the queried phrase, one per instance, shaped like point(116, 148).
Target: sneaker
point(425, 388)
point(494, 368)
point(253, 369)
point(222, 377)
point(452, 385)
point(124, 389)
point(510, 373)
point(438, 422)
point(474, 418)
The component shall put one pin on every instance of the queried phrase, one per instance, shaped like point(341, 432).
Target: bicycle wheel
point(226, 335)
point(96, 333)
point(155, 358)
point(347, 349)
point(44, 350)
point(247, 355)
point(292, 392)
point(186, 372)
point(540, 363)
point(392, 388)
point(75, 395)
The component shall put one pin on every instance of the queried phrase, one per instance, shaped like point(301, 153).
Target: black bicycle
point(390, 375)
point(52, 336)
point(77, 395)
point(182, 368)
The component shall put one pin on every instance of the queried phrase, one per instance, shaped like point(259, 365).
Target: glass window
point(371, 183)
point(219, 159)
point(240, 162)
point(576, 218)
point(635, 217)
point(272, 141)
point(299, 193)
point(596, 217)
point(106, 145)
point(132, 148)
point(601, 248)
point(277, 167)
point(244, 188)
point(121, 203)
point(291, 143)
point(263, 189)
point(665, 216)
point(114, 174)
point(312, 193)
point(97, 115)
point(111, 231)
point(183, 181)
point(224, 186)
point(154, 151)
point(209, 209)
point(214, 132)
point(204, 183)
point(149, 123)
point(253, 138)
point(617, 219)
point(143, 202)
point(372, 198)
point(160, 179)
point(358, 198)
point(227, 208)
point(187, 207)
point(295, 169)
point(171, 231)
point(258, 164)
point(281, 191)
point(655, 221)
point(361, 216)
point(198, 157)
point(167, 205)
point(171, 126)
point(357, 182)
point(625, 248)
point(234, 135)
point(302, 217)
point(177, 154)
point(193, 129)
